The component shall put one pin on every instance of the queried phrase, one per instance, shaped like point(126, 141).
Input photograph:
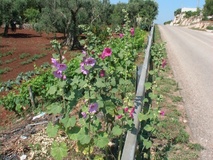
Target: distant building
point(188, 9)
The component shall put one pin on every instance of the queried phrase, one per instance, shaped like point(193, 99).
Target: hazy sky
point(167, 7)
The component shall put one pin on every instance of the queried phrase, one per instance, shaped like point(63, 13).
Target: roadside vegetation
point(171, 139)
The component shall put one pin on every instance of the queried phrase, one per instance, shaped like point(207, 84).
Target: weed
point(10, 60)
point(24, 55)
point(5, 70)
point(176, 99)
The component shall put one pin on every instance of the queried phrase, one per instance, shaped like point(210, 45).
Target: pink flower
point(90, 61)
point(102, 73)
point(162, 113)
point(106, 53)
point(64, 77)
point(84, 114)
point(163, 63)
point(132, 31)
point(93, 108)
point(121, 35)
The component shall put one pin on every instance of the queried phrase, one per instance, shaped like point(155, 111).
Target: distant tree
point(117, 16)
point(63, 16)
point(145, 11)
point(178, 11)
point(11, 13)
point(208, 8)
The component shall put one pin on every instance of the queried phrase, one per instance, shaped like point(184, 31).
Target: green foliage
point(31, 15)
point(208, 8)
point(189, 14)
point(209, 27)
point(178, 11)
point(167, 22)
point(59, 150)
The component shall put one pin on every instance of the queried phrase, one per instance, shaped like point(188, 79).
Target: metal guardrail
point(131, 137)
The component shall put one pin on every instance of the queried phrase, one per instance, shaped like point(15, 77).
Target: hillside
point(192, 19)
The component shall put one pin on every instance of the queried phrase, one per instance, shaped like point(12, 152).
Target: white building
point(188, 9)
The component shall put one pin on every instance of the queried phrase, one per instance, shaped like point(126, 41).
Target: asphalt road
point(190, 55)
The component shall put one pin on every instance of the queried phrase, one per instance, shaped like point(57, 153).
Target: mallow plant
point(95, 102)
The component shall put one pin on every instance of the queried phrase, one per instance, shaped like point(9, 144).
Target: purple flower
point(64, 77)
point(121, 35)
point(93, 108)
point(90, 61)
point(106, 53)
point(163, 63)
point(62, 67)
point(58, 74)
point(84, 114)
point(83, 70)
point(102, 73)
point(132, 31)
point(54, 62)
point(84, 52)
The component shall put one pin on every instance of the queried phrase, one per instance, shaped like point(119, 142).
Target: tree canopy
point(208, 8)
point(66, 15)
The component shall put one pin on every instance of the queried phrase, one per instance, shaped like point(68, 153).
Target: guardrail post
point(131, 137)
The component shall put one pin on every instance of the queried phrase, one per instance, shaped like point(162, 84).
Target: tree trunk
point(6, 29)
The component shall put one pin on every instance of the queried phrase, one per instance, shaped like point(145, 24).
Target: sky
point(167, 7)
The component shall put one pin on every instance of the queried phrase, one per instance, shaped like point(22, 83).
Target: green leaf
point(54, 108)
point(52, 130)
point(148, 128)
point(117, 131)
point(148, 85)
point(100, 83)
point(102, 141)
point(113, 82)
point(147, 143)
point(83, 136)
point(142, 117)
point(73, 133)
point(68, 122)
point(52, 90)
point(59, 150)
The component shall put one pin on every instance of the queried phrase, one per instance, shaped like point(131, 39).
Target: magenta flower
point(132, 31)
point(119, 116)
point(121, 35)
point(90, 61)
point(84, 114)
point(126, 109)
point(93, 108)
point(106, 53)
point(162, 113)
point(131, 112)
point(102, 73)
point(163, 63)
point(58, 74)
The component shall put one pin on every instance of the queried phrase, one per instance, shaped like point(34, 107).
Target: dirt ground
point(24, 41)
point(19, 42)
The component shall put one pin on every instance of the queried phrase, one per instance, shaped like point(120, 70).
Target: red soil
point(24, 41)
